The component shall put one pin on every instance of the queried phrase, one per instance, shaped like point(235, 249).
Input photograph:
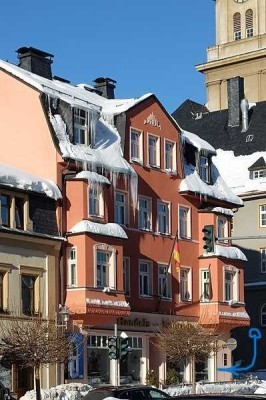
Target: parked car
point(222, 396)
point(126, 392)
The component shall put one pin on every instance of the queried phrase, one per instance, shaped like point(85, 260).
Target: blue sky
point(145, 45)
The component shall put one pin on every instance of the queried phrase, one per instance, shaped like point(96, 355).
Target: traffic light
point(123, 347)
point(113, 348)
point(208, 238)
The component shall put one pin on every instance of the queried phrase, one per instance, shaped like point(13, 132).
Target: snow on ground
point(75, 391)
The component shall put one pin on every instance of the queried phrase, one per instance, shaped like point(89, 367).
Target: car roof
point(221, 396)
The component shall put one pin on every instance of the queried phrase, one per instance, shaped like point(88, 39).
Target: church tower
point(240, 50)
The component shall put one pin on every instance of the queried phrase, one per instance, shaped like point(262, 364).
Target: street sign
point(231, 344)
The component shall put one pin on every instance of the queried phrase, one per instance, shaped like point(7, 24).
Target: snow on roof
point(225, 211)
point(93, 177)
point(236, 174)
point(15, 178)
point(229, 252)
point(110, 229)
point(197, 142)
point(219, 190)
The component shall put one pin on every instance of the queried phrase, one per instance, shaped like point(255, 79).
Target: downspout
point(244, 110)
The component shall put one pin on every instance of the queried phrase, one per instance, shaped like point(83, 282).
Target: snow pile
point(235, 171)
point(197, 142)
point(240, 388)
point(68, 391)
point(110, 229)
point(13, 177)
point(228, 252)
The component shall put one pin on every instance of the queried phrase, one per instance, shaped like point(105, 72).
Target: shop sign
point(138, 322)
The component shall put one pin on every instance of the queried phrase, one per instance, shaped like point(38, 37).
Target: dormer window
point(83, 126)
point(260, 173)
point(204, 168)
point(14, 210)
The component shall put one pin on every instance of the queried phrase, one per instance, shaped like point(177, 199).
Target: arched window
point(237, 26)
point(249, 23)
point(263, 315)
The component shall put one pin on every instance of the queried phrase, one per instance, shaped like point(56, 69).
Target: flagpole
point(169, 263)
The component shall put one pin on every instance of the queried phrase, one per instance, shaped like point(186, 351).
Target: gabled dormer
point(258, 169)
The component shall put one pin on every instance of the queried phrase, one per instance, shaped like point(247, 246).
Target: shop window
point(96, 206)
point(164, 281)
point(263, 215)
point(120, 208)
point(205, 285)
point(237, 26)
point(105, 266)
point(185, 284)
point(72, 266)
point(263, 315)
point(144, 216)
point(145, 278)
point(126, 275)
point(184, 222)
point(170, 156)
point(136, 149)
point(163, 210)
point(154, 151)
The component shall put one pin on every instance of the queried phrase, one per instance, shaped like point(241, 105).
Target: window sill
point(164, 233)
point(166, 298)
point(148, 230)
point(146, 296)
point(186, 301)
point(137, 161)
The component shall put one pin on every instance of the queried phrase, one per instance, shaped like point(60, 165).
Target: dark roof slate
point(260, 163)
point(213, 127)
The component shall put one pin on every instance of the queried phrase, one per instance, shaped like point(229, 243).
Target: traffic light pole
point(117, 361)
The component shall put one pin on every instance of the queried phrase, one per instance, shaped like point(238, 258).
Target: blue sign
point(76, 362)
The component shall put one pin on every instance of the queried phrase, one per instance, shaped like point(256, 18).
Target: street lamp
point(62, 316)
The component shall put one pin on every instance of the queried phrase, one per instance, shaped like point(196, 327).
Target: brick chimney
point(36, 61)
point(106, 86)
point(235, 91)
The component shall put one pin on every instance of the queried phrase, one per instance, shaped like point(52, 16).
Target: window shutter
point(249, 19)
point(237, 22)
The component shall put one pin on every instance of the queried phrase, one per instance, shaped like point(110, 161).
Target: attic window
point(84, 125)
point(259, 173)
point(204, 167)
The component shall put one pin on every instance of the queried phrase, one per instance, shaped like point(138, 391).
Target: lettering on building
point(153, 121)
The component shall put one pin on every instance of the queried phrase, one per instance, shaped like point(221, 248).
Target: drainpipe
point(244, 110)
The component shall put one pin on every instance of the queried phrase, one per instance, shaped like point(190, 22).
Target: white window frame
point(121, 205)
point(263, 260)
point(185, 282)
point(95, 204)
point(126, 275)
point(184, 223)
point(80, 126)
point(164, 281)
point(259, 173)
point(205, 282)
point(237, 35)
point(204, 168)
point(72, 275)
point(136, 146)
point(145, 214)
point(112, 267)
point(263, 315)
point(262, 216)
point(172, 165)
point(233, 290)
point(153, 151)
point(163, 218)
point(222, 228)
point(145, 278)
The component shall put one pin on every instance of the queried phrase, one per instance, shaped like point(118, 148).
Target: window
point(145, 287)
point(258, 174)
point(237, 26)
point(163, 210)
point(249, 23)
point(14, 211)
point(135, 145)
point(28, 295)
point(72, 266)
point(154, 151)
point(263, 260)
point(84, 126)
point(184, 222)
point(231, 284)
point(164, 281)
point(120, 208)
point(222, 228)
point(169, 156)
point(263, 216)
point(96, 207)
point(102, 269)
point(263, 315)
point(126, 275)
point(225, 359)
point(185, 284)
point(204, 169)
point(145, 221)
point(205, 285)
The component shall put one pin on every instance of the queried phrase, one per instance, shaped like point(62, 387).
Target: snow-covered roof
point(225, 211)
point(197, 142)
point(228, 252)
point(235, 171)
point(110, 229)
point(93, 177)
point(219, 190)
point(16, 178)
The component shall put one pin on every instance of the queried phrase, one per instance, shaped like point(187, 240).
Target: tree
point(33, 342)
point(187, 340)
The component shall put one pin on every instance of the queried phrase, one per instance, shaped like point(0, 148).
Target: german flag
point(176, 255)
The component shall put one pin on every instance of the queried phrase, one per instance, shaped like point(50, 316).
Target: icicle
point(134, 191)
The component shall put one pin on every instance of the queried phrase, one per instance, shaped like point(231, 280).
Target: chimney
point(235, 90)
point(36, 61)
point(106, 86)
